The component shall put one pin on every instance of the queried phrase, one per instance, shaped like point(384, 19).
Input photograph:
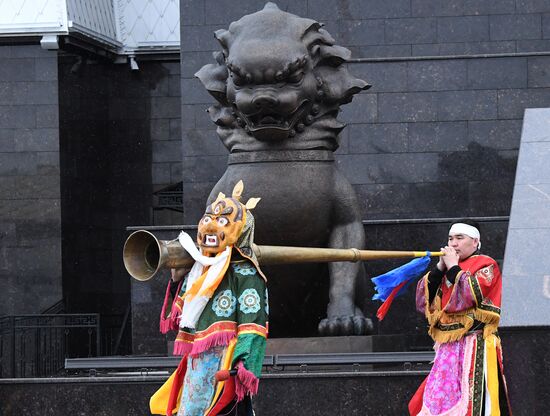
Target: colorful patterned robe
point(230, 333)
point(463, 312)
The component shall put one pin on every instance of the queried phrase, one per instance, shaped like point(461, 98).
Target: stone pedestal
point(326, 345)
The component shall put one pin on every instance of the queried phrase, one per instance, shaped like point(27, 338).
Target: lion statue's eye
point(237, 80)
point(295, 78)
point(206, 220)
point(223, 221)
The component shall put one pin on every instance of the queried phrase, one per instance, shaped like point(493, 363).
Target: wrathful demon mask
point(223, 221)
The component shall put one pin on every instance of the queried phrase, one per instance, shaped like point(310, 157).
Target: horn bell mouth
point(141, 255)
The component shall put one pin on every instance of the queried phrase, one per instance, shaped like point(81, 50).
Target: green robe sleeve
point(252, 317)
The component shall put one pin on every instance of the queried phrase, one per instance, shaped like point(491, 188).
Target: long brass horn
point(144, 255)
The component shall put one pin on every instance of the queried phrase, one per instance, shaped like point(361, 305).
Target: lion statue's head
point(279, 82)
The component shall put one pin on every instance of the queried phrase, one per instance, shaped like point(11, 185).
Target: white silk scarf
point(193, 306)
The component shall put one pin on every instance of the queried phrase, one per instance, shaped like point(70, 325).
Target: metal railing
point(115, 334)
point(37, 345)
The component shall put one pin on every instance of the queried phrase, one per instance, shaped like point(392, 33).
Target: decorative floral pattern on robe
point(199, 385)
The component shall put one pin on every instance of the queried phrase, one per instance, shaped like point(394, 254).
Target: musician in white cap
point(461, 299)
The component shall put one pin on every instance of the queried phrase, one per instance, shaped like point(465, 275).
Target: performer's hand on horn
point(177, 274)
point(441, 264)
point(223, 375)
point(175, 278)
point(450, 257)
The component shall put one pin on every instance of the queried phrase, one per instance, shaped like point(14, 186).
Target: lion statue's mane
point(304, 44)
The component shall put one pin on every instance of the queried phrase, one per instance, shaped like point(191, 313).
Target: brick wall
point(30, 213)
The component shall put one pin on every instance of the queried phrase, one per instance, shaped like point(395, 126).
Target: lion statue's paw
point(345, 325)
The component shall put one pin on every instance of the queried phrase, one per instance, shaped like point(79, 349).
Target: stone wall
point(375, 28)
point(30, 206)
point(84, 143)
point(438, 133)
point(120, 143)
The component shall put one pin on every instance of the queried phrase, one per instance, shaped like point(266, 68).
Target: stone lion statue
point(279, 82)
